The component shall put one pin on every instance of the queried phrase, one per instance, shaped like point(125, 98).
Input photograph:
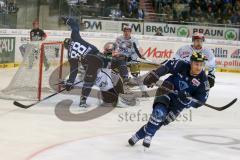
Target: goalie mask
point(109, 48)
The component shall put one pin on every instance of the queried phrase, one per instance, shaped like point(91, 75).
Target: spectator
point(124, 7)
point(218, 5)
point(235, 19)
point(115, 13)
point(210, 14)
point(177, 9)
point(140, 14)
point(236, 7)
point(218, 16)
point(198, 14)
point(169, 13)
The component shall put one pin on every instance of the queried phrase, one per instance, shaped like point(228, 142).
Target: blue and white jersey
point(126, 46)
point(196, 86)
point(78, 46)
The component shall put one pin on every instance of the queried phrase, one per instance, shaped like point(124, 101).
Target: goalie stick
point(18, 104)
point(202, 103)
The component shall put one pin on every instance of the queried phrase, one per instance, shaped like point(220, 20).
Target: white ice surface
point(37, 134)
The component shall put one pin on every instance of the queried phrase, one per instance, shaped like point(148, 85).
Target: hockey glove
point(64, 20)
point(211, 80)
point(183, 95)
point(69, 86)
point(151, 79)
point(83, 102)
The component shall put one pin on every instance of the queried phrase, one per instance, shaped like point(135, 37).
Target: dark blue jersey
point(196, 86)
point(78, 47)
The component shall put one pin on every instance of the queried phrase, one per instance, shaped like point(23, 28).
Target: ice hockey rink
point(37, 133)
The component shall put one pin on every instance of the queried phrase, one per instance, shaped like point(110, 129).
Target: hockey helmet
point(197, 35)
point(198, 57)
point(109, 47)
point(127, 27)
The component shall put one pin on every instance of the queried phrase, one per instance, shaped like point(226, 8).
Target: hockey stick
point(54, 94)
point(146, 61)
point(202, 103)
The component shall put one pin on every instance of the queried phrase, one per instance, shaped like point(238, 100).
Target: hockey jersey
point(79, 47)
point(196, 86)
point(127, 47)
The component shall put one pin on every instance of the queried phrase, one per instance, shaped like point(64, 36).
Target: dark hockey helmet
point(109, 47)
point(198, 57)
point(66, 42)
point(197, 35)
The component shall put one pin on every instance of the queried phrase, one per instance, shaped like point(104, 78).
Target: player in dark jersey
point(188, 80)
point(88, 54)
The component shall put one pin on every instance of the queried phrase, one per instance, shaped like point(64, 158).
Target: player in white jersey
point(126, 46)
point(185, 52)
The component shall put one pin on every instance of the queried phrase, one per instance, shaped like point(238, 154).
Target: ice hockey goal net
point(33, 77)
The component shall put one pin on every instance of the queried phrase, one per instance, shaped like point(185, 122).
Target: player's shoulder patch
point(196, 82)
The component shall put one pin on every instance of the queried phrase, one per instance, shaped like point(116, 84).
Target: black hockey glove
point(211, 80)
point(183, 95)
point(64, 20)
point(151, 79)
point(69, 86)
point(83, 102)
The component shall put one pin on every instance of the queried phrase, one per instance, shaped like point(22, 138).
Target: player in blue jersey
point(187, 80)
point(88, 54)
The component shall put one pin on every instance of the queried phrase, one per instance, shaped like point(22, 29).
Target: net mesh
point(25, 83)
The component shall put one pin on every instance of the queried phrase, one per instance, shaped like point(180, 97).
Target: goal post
point(42, 53)
point(32, 79)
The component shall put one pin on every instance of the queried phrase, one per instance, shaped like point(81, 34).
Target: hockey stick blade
point(223, 107)
point(22, 105)
point(28, 106)
point(202, 103)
